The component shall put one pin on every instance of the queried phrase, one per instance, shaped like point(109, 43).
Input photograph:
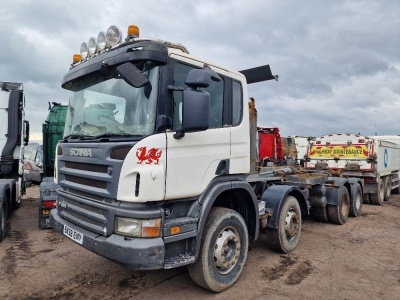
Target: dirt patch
point(357, 260)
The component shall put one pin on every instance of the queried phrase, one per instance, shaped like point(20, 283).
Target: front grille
point(89, 184)
point(86, 167)
point(86, 195)
point(86, 181)
point(93, 216)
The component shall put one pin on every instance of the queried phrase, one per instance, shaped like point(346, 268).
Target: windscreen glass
point(104, 104)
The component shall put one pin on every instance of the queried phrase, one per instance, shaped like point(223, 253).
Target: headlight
point(138, 228)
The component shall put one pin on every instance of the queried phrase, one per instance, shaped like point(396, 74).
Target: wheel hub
point(226, 251)
point(291, 224)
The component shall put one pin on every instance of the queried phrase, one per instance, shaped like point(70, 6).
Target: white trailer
point(301, 143)
point(376, 159)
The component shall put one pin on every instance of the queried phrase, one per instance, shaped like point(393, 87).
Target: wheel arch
point(234, 194)
point(273, 197)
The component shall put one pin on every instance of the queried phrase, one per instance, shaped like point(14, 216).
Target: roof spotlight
point(84, 50)
point(92, 46)
point(113, 36)
point(101, 41)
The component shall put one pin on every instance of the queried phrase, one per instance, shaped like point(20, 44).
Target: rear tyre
point(285, 238)
point(338, 214)
point(356, 203)
point(388, 188)
point(223, 250)
point(366, 199)
point(320, 214)
point(379, 197)
point(397, 189)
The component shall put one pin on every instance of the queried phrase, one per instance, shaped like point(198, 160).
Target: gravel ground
point(358, 260)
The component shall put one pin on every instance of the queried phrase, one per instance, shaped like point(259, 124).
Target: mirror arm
point(179, 134)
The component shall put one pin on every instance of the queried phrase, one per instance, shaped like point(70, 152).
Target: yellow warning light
point(76, 58)
point(133, 31)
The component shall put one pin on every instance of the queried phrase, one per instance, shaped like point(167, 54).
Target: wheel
point(223, 250)
point(285, 238)
point(3, 218)
point(356, 203)
point(320, 214)
point(379, 196)
point(367, 198)
point(388, 188)
point(338, 214)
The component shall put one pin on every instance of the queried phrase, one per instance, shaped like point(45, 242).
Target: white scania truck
point(157, 164)
point(14, 135)
point(376, 159)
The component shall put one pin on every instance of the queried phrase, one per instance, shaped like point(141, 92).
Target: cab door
point(193, 160)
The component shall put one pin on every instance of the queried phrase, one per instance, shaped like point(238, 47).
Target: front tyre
point(223, 250)
point(285, 238)
point(3, 218)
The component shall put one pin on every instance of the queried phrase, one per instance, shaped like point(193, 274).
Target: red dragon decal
point(152, 156)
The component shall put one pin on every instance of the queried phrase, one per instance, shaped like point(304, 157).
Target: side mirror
point(26, 133)
point(195, 103)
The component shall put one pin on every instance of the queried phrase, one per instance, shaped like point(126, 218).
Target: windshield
point(105, 105)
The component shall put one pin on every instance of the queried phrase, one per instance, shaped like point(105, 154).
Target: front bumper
point(136, 253)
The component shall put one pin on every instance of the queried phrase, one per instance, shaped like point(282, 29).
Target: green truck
point(52, 129)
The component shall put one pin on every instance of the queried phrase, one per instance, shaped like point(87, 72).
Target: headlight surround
point(138, 228)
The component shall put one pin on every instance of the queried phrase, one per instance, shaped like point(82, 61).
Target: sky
point(338, 61)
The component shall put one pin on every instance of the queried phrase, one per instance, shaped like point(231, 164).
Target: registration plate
point(73, 234)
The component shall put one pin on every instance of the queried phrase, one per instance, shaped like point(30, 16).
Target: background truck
point(33, 162)
point(274, 149)
point(158, 164)
point(14, 135)
point(270, 145)
point(376, 159)
point(53, 130)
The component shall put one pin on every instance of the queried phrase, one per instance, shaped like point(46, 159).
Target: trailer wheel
point(367, 198)
point(338, 214)
point(223, 250)
point(379, 197)
point(285, 238)
point(356, 203)
point(320, 214)
point(3, 218)
point(396, 190)
point(388, 188)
